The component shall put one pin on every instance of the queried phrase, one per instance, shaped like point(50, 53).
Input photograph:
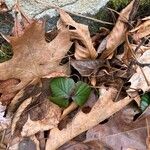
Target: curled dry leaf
point(117, 35)
point(141, 31)
point(141, 79)
point(83, 46)
point(33, 57)
point(82, 122)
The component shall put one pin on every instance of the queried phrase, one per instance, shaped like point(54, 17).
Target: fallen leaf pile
point(115, 64)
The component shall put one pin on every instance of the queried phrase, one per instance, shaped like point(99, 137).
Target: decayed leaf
point(6, 97)
point(117, 35)
point(141, 31)
point(103, 108)
point(36, 113)
point(33, 57)
point(18, 114)
point(139, 79)
point(121, 132)
point(87, 67)
point(83, 46)
point(100, 72)
point(49, 121)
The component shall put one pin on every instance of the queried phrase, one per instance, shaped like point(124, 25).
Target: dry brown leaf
point(50, 120)
point(87, 67)
point(141, 31)
point(121, 132)
point(82, 122)
point(18, 114)
point(3, 7)
point(139, 80)
point(36, 113)
point(6, 97)
point(33, 57)
point(83, 46)
point(117, 35)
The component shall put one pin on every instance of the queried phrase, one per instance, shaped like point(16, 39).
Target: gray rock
point(38, 8)
point(27, 144)
point(6, 23)
point(41, 9)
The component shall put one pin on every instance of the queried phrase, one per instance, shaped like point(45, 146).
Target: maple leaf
point(33, 57)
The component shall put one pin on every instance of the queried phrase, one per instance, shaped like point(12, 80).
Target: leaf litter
point(114, 64)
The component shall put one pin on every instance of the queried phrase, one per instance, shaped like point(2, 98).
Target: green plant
point(5, 52)
point(65, 90)
point(145, 101)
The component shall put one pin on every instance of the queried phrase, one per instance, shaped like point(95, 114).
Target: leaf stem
point(69, 109)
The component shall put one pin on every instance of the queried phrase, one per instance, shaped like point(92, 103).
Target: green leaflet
point(61, 87)
point(82, 92)
point(5, 52)
point(65, 89)
point(60, 101)
point(145, 101)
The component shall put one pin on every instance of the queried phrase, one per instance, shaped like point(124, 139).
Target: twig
point(124, 18)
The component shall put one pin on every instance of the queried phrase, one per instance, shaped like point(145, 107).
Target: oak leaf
point(82, 122)
point(121, 131)
point(83, 45)
point(33, 57)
